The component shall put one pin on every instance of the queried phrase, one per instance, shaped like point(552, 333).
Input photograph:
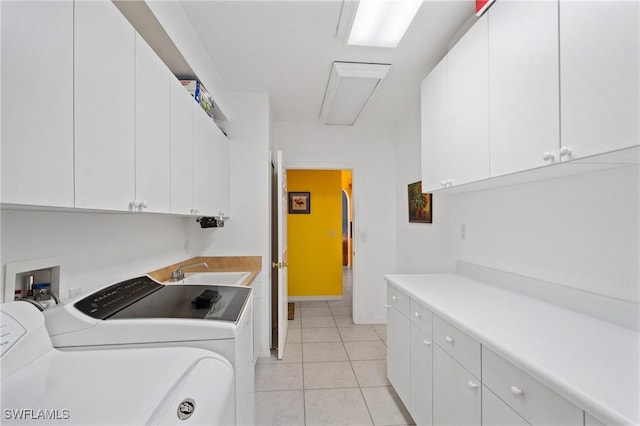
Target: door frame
point(354, 210)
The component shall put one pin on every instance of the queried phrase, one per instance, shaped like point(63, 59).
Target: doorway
point(319, 240)
point(321, 226)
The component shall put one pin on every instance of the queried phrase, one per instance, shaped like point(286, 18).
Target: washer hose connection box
point(210, 222)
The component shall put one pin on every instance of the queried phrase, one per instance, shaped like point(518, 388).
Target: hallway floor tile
point(333, 371)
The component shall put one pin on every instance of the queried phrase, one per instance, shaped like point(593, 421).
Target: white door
point(283, 290)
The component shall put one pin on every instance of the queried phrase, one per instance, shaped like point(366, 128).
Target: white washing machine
point(143, 313)
point(43, 385)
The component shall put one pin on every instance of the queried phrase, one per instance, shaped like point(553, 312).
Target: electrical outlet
point(463, 232)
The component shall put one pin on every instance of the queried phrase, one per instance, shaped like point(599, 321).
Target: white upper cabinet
point(153, 131)
point(104, 107)
point(599, 71)
point(220, 165)
point(203, 154)
point(37, 103)
point(523, 84)
point(468, 106)
point(210, 166)
point(182, 158)
point(434, 131)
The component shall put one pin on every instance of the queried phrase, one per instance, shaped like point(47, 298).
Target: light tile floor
point(333, 372)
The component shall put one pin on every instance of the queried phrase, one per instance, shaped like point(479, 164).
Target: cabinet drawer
point(422, 317)
point(496, 413)
point(463, 348)
point(399, 300)
point(535, 402)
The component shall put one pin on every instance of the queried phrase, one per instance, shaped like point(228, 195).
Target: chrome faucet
point(178, 274)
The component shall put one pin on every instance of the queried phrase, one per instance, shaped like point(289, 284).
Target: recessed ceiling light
point(382, 23)
point(349, 89)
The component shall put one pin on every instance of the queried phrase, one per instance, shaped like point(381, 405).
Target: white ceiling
point(286, 48)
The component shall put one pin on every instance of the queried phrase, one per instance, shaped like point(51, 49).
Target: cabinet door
point(181, 149)
point(398, 349)
point(496, 413)
point(468, 106)
point(523, 84)
point(599, 51)
point(104, 106)
point(37, 103)
point(203, 152)
point(435, 152)
point(456, 392)
point(220, 167)
point(589, 420)
point(421, 378)
point(152, 121)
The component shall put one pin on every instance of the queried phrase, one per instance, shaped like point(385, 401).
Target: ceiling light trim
point(342, 73)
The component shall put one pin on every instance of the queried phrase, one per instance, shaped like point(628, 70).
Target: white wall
point(422, 248)
point(369, 151)
point(580, 231)
point(95, 249)
point(246, 233)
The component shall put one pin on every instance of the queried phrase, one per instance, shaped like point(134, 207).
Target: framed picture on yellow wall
point(420, 208)
point(299, 203)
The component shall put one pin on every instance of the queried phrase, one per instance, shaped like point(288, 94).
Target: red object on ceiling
point(482, 6)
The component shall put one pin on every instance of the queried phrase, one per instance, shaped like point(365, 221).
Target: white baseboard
point(313, 298)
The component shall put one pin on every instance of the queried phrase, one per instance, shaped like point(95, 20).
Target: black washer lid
point(110, 300)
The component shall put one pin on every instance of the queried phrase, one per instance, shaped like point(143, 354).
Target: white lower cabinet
point(456, 392)
point(421, 377)
point(446, 377)
point(495, 412)
point(532, 400)
point(398, 353)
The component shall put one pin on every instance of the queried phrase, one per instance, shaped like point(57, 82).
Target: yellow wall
point(347, 185)
point(315, 240)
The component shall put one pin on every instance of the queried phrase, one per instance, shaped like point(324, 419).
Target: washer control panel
point(10, 332)
point(110, 300)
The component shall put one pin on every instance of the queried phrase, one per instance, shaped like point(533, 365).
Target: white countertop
point(590, 362)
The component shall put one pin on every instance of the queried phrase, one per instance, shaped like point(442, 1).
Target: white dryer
point(143, 313)
point(43, 385)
